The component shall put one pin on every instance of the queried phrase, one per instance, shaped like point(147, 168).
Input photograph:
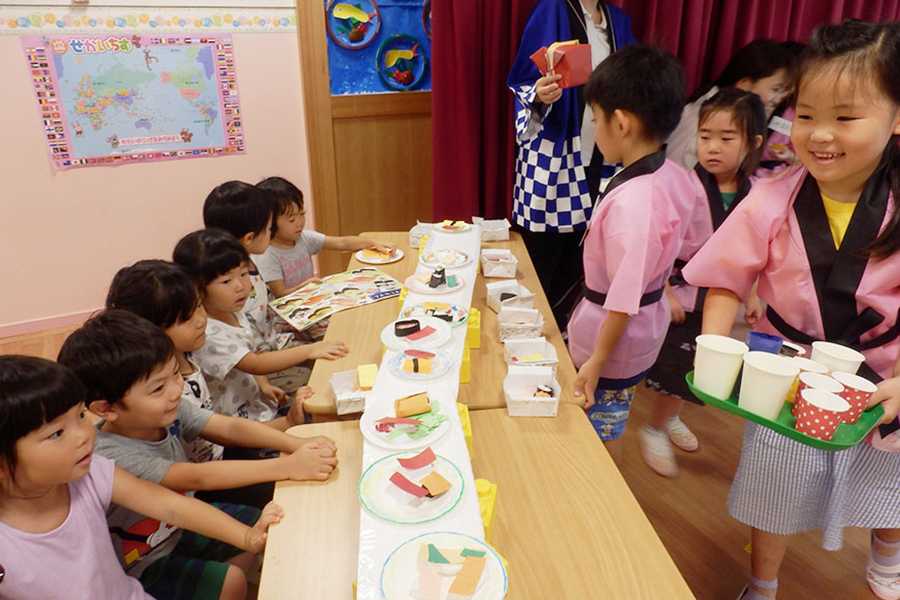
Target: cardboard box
point(494, 230)
point(519, 323)
point(498, 263)
point(522, 299)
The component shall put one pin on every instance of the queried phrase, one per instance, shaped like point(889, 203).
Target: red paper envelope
point(572, 61)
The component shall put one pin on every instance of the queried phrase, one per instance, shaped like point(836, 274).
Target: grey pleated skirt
point(785, 487)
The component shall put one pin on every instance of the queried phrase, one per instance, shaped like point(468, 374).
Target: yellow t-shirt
point(839, 215)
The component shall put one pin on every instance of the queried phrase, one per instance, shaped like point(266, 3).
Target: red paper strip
point(423, 458)
point(418, 335)
point(398, 421)
point(419, 353)
point(408, 486)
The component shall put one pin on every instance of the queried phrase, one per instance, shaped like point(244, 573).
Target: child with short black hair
point(287, 264)
point(54, 494)
point(635, 233)
point(129, 369)
point(229, 359)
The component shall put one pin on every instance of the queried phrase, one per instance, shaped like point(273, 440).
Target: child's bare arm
point(264, 363)
point(610, 333)
point(351, 243)
point(719, 311)
point(232, 431)
point(279, 289)
point(157, 502)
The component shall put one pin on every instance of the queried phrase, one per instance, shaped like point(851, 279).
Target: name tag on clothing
point(782, 126)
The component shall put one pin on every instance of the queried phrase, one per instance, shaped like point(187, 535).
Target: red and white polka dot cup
point(857, 392)
point(815, 381)
point(819, 413)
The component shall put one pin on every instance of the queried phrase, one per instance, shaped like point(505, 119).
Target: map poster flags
point(118, 99)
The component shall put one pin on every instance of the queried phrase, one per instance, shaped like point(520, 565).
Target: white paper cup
point(837, 357)
point(717, 364)
point(790, 349)
point(765, 383)
point(810, 366)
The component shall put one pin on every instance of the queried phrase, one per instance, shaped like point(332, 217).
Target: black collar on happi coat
point(643, 166)
point(837, 272)
point(714, 196)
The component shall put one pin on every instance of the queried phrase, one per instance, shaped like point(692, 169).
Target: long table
point(566, 520)
point(360, 328)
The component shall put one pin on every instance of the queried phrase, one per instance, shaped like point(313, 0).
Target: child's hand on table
point(386, 247)
point(329, 350)
point(888, 396)
point(312, 461)
point(586, 381)
point(255, 538)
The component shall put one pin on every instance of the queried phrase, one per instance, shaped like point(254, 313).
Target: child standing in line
point(229, 359)
point(634, 236)
point(54, 495)
point(241, 210)
point(824, 241)
point(761, 67)
point(729, 144)
point(287, 265)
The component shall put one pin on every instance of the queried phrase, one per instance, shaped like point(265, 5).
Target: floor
point(689, 512)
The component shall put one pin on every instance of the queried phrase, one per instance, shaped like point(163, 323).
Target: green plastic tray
point(845, 436)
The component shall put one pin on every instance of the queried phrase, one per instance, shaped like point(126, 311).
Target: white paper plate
point(397, 255)
point(400, 574)
point(423, 288)
point(441, 336)
point(440, 365)
point(388, 502)
point(436, 258)
point(385, 408)
point(458, 314)
point(440, 227)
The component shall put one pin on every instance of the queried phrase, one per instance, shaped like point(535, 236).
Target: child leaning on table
point(634, 236)
point(823, 239)
point(229, 359)
point(54, 494)
point(287, 263)
point(246, 213)
point(166, 295)
point(130, 372)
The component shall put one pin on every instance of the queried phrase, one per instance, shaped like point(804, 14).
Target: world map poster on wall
point(124, 99)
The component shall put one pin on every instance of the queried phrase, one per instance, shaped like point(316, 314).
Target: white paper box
point(519, 387)
point(498, 263)
point(418, 231)
point(523, 298)
point(515, 349)
point(519, 323)
point(348, 398)
point(494, 230)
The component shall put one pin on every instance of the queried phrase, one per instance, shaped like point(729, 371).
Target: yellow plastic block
point(367, 374)
point(354, 583)
point(487, 501)
point(466, 424)
point(473, 329)
point(465, 369)
point(401, 297)
point(422, 245)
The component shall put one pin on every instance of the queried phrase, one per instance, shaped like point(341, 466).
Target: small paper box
point(534, 352)
point(416, 233)
point(348, 398)
point(522, 298)
point(494, 230)
point(498, 263)
point(519, 323)
point(519, 387)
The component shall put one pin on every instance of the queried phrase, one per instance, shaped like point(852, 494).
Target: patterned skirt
point(784, 487)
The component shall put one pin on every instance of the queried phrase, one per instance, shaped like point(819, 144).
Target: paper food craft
point(415, 364)
point(367, 374)
point(451, 313)
point(436, 563)
point(415, 404)
point(449, 226)
point(414, 418)
point(431, 486)
point(569, 59)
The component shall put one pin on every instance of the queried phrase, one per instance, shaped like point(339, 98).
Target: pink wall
point(63, 234)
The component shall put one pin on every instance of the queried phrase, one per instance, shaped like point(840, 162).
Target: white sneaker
point(885, 586)
point(680, 435)
point(657, 451)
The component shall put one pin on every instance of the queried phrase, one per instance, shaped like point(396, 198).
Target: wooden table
point(360, 328)
point(566, 521)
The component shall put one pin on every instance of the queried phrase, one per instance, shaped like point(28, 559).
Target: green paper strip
point(470, 552)
point(435, 556)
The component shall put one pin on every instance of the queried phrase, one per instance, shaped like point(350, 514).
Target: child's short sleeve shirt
point(75, 560)
point(293, 266)
point(196, 392)
point(262, 320)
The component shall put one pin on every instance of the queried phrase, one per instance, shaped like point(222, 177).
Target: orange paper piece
point(422, 459)
point(569, 59)
point(467, 580)
point(435, 484)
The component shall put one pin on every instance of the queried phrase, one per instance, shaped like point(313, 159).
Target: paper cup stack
point(819, 413)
